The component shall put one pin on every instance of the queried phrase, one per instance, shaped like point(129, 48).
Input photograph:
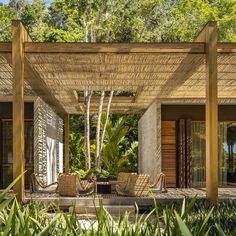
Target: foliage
point(99, 173)
point(121, 20)
point(7, 14)
point(115, 154)
point(82, 173)
point(191, 218)
point(120, 149)
point(76, 143)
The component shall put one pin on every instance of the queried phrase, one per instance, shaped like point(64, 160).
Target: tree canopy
point(119, 20)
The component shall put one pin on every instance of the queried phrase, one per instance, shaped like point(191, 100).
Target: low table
point(103, 187)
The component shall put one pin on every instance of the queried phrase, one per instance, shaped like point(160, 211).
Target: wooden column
point(18, 107)
point(211, 114)
point(209, 36)
point(66, 141)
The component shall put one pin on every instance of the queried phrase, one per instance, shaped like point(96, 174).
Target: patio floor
point(173, 195)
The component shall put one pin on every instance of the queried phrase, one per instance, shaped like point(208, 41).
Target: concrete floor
point(173, 195)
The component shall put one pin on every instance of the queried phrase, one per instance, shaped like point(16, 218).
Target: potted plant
point(101, 175)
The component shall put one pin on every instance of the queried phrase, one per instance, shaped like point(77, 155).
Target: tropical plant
point(192, 218)
point(76, 142)
point(114, 155)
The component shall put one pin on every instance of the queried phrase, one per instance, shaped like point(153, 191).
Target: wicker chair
point(137, 185)
point(159, 185)
point(70, 185)
point(121, 183)
point(37, 185)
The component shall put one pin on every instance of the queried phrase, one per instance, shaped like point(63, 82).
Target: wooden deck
point(174, 195)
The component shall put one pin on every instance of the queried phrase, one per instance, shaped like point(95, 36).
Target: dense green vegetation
point(122, 20)
point(190, 218)
point(120, 149)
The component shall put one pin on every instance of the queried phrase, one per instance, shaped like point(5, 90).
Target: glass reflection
point(227, 153)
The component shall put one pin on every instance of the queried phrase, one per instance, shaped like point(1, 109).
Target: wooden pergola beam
point(114, 48)
point(6, 47)
point(10, 98)
point(197, 47)
point(19, 38)
point(121, 110)
point(115, 99)
point(226, 47)
point(209, 36)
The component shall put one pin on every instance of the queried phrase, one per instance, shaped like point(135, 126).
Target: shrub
point(191, 218)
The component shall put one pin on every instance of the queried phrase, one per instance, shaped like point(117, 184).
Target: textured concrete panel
point(150, 141)
point(48, 135)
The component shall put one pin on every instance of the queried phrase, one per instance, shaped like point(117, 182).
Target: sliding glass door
point(198, 151)
point(227, 153)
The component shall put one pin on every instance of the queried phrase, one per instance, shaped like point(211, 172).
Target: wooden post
point(209, 36)
point(211, 114)
point(18, 107)
point(66, 141)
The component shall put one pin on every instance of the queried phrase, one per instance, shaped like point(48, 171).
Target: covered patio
point(157, 73)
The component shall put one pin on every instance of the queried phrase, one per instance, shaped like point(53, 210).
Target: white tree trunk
point(88, 95)
point(92, 29)
point(97, 159)
point(104, 127)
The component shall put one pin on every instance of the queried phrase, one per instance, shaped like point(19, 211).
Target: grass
point(191, 218)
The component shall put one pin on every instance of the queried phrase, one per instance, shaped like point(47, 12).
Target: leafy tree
point(19, 6)
point(7, 14)
point(35, 19)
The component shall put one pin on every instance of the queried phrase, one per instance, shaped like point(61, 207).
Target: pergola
point(167, 72)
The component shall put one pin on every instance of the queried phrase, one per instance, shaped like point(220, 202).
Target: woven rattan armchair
point(37, 185)
point(159, 186)
point(70, 185)
point(137, 185)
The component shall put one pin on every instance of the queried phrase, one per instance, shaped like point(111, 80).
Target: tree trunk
point(88, 95)
point(98, 130)
point(104, 128)
point(92, 29)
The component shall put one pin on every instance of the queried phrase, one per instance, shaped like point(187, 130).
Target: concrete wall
point(150, 141)
point(48, 142)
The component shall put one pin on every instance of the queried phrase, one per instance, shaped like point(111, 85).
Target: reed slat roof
point(162, 71)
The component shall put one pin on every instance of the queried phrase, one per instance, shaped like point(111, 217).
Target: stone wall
point(48, 142)
point(149, 132)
